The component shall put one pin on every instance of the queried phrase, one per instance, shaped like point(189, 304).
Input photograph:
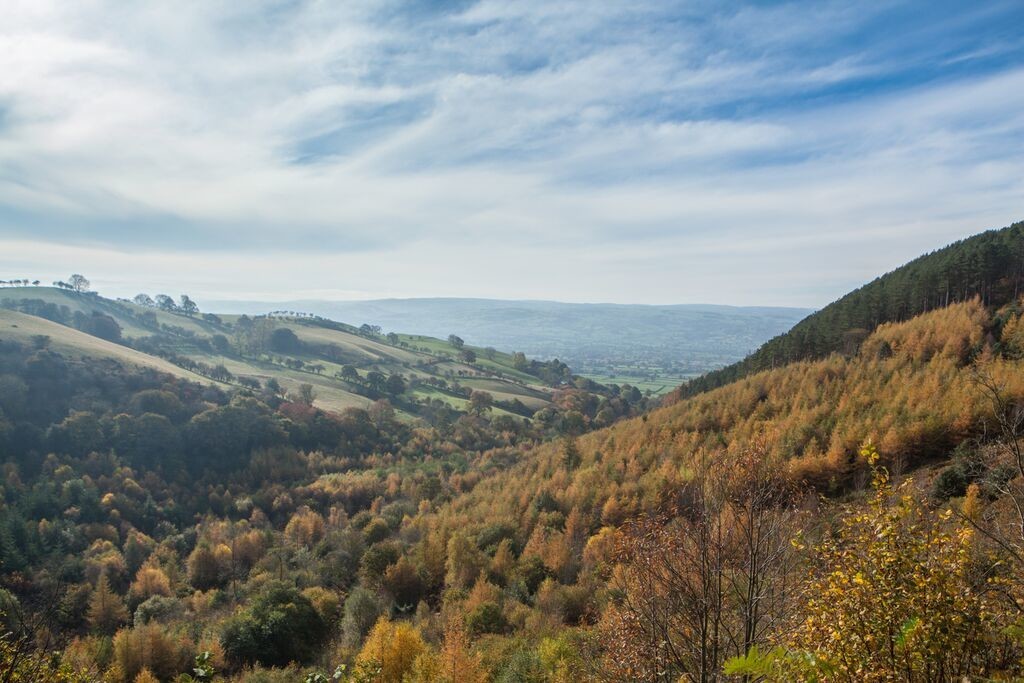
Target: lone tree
point(306, 394)
point(456, 341)
point(284, 340)
point(79, 283)
point(480, 402)
point(187, 306)
point(395, 385)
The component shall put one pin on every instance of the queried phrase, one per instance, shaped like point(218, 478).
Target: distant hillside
point(346, 367)
point(989, 266)
point(684, 339)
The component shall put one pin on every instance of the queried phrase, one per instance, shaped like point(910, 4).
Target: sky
point(637, 152)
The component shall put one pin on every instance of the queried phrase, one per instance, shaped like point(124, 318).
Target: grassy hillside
point(25, 329)
point(989, 266)
point(345, 366)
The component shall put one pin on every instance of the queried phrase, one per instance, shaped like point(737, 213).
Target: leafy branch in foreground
point(894, 598)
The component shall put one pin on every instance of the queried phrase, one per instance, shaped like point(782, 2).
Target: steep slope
point(989, 266)
point(910, 390)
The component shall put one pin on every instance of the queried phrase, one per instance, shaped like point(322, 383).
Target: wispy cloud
point(641, 151)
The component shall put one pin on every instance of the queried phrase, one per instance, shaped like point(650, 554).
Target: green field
point(179, 344)
point(657, 386)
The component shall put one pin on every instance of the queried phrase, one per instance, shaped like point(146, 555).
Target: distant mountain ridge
point(989, 266)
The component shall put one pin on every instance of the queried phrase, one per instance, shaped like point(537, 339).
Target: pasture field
point(200, 346)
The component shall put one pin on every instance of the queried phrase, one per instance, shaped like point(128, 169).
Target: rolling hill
point(345, 366)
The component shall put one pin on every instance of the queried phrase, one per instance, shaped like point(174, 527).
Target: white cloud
point(535, 149)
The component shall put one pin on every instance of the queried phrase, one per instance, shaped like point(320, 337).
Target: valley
point(511, 342)
point(175, 478)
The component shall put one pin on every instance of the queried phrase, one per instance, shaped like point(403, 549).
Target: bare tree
point(1003, 475)
point(709, 579)
point(79, 283)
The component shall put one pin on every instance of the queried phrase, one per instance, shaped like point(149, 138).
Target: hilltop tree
point(375, 380)
point(381, 413)
point(187, 306)
point(144, 300)
point(306, 394)
point(455, 341)
point(166, 303)
point(79, 283)
point(395, 385)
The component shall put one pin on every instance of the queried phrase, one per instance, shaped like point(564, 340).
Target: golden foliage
point(456, 663)
point(106, 608)
point(150, 580)
point(818, 412)
point(305, 528)
point(464, 563)
point(151, 648)
point(146, 676)
point(392, 646)
point(893, 599)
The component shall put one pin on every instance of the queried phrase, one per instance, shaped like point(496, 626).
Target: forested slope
point(910, 390)
point(843, 518)
point(989, 265)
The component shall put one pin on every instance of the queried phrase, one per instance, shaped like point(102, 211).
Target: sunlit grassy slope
point(24, 328)
point(326, 348)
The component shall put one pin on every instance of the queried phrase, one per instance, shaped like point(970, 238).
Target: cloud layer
point(633, 152)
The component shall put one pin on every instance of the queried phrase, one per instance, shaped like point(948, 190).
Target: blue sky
point(743, 153)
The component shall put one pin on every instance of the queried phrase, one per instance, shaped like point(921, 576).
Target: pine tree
point(106, 608)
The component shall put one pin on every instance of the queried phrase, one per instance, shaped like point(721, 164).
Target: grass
point(657, 387)
point(22, 328)
point(182, 335)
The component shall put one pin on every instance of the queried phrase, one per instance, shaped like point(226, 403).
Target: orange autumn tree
point(893, 598)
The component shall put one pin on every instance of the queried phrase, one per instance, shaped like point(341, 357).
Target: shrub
point(280, 627)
